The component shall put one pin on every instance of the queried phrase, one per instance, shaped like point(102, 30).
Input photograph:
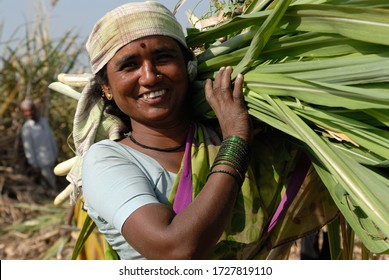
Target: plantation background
point(30, 223)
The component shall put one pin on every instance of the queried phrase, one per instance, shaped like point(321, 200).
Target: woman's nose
point(149, 75)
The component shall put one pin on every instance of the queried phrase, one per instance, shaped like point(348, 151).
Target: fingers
point(223, 78)
point(238, 88)
point(208, 89)
point(220, 88)
point(222, 84)
point(228, 103)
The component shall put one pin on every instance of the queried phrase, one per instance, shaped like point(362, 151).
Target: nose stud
point(159, 76)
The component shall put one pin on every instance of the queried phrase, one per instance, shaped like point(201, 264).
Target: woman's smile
point(154, 96)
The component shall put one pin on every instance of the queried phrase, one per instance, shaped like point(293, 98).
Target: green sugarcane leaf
point(86, 230)
point(324, 94)
point(226, 28)
point(361, 134)
point(333, 230)
point(367, 231)
point(264, 112)
point(320, 70)
point(257, 5)
point(261, 37)
point(357, 3)
point(342, 71)
point(361, 156)
point(381, 115)
point(373, 68)
point(359, 23)
point(354, 180)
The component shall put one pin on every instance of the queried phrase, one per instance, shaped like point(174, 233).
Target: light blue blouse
point(117, 180)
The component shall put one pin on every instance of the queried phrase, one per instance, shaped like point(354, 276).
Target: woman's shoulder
point(104, 148)
point(105, 144)
point(108, 149)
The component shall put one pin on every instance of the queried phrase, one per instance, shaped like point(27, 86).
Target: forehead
point(151, 43)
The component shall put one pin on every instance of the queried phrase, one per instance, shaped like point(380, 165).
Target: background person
point(39, 144)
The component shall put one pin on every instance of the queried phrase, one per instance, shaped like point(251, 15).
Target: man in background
point(39, 145)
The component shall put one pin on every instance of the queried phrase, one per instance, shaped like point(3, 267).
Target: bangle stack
point(234, 152)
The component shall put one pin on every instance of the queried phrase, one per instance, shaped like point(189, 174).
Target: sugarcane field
point(316, 76)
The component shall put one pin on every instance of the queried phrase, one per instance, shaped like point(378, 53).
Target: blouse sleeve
point(113, 185)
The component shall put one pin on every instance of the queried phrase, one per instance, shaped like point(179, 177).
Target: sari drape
point(274, 163)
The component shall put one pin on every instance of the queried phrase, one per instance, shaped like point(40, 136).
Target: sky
point(76, 15)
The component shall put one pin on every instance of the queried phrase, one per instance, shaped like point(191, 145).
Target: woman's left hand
point(228, 104)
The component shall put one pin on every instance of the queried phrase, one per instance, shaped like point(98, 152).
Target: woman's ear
point(106, 92)
point(105, 88)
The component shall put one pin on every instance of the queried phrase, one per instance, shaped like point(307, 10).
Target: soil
point(30, 223)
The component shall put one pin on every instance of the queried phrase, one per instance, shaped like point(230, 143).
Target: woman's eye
point(129, 66)
point(165, 58)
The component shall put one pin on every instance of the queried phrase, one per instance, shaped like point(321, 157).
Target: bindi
point(142, 45)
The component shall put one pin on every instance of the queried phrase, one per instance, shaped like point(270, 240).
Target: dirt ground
point(31, 226)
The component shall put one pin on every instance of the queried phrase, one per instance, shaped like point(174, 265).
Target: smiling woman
point(158, 182)
point(142, 71)
point(148, 82)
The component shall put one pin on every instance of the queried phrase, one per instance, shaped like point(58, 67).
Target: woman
point(168, 186)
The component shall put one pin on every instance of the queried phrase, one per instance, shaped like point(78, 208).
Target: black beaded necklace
point(173, 149)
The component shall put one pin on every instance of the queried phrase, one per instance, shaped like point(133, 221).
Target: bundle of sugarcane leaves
point(317, 71)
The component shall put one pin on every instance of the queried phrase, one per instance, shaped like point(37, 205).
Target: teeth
point(154, 94)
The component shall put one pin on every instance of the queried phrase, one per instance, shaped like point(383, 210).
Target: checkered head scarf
point(127, 23)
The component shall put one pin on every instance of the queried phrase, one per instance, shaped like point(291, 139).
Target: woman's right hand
point(228, 104)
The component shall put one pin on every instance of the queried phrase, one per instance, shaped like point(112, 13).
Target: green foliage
point(317, 71)
point(28, 66)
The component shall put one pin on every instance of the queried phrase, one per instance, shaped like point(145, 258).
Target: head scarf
point(127, 23)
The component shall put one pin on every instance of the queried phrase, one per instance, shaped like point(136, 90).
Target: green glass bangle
point(232, 146)
point(231, 165)
point(240, 170)
point(237, 140)
point(233, 152)
point(239, 181)
point(229, 151)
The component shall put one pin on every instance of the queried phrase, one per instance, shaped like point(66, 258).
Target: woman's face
point(148, 80)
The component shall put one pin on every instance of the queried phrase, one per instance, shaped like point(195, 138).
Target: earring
point(108, 95)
